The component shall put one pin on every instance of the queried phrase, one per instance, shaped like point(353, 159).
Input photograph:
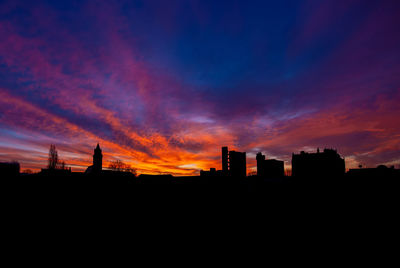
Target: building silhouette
point(380, 171)
point(211, 173)
point(225, 169)
point(97, 161)
point(233, 163)
point(269, 168)
point(320, 164)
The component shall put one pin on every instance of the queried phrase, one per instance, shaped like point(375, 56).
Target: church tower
point(97, 159)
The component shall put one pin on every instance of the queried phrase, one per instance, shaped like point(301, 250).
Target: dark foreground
point(208, 217)
point(164, 189)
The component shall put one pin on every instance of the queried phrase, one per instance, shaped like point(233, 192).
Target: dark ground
point(77, 187)
point(227, 219)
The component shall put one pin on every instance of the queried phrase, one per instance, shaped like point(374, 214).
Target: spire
point(97, 148)
point(97, 159)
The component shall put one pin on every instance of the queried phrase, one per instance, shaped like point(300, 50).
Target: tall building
point(233, 163)
point(237, 164)
point(97, 159)
point(225, 160)
point(260, 164)
point(269, 168)
point(318, 165)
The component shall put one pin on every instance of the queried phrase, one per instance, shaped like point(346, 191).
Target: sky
point(163, 85)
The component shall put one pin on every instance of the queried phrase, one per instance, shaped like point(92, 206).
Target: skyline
point(163, 87)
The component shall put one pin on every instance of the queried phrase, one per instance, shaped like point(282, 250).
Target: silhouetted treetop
point(118, 165)
point(53, 157)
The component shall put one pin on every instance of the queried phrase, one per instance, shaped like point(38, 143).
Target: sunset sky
point(162, 85)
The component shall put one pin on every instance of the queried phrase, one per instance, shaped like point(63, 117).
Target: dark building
point(380, 172)
point(97, 161)
point(236, 162)
point(318, 165)
point(233, 164)
point(225, 160)
point(9, 169)
point(269, 168)
point(211, 173)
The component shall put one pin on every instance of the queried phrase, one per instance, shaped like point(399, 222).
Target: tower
point(260, 164)
point(225, 161)
point(97, 159)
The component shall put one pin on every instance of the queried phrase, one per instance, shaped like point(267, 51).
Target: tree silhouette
point(118, 165)
point(53, 157)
